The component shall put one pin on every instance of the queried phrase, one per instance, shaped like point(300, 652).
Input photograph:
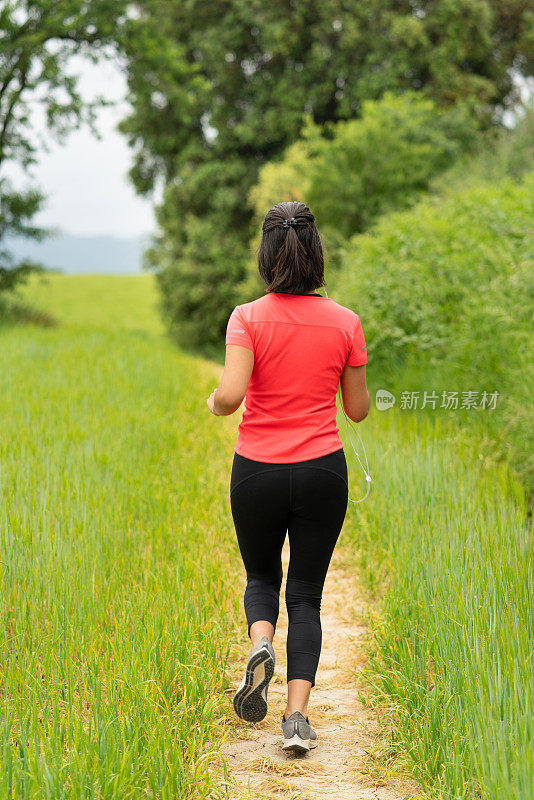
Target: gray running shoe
point(250, 699)
point(299, 735)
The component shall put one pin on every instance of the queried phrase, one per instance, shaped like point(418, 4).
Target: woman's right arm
point(356, 400)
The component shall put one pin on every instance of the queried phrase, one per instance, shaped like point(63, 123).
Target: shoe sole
point(249, 704)
point(298, 745)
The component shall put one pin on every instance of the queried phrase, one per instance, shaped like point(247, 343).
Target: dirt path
point(344, 764)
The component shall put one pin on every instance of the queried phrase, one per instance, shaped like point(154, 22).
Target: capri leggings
point(308, 500)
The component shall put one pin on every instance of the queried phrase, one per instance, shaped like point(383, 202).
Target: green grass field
point(115, 548)
point(119, 571)
point(446, 545)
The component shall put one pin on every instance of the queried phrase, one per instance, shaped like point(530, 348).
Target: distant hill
point(72, 254)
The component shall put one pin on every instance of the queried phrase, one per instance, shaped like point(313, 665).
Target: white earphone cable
point(366, 468)
point(349, 426)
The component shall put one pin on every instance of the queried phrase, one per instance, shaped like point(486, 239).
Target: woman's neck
point(301, 294)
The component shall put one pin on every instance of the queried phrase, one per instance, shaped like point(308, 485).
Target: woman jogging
point(288, 351)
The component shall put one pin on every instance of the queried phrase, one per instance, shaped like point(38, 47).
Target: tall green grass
point(116, 553)
point(446, 550)
point(119, 563)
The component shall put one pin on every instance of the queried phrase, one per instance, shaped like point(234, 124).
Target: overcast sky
point(86, 178)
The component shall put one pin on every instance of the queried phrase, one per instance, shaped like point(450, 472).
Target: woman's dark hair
point(290, 256)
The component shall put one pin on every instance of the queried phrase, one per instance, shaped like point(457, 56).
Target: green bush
point(364, 167)
point(446, 295)
point(499, 152)
point(352, 171)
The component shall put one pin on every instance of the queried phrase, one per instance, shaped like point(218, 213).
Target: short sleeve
point(237, 330)
point(358, 350)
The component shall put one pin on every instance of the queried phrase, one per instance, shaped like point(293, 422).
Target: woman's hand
point(210, 402)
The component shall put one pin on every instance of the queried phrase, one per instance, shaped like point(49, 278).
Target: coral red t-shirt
point(301, 344)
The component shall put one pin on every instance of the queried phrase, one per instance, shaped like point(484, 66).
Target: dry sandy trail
point(344, 765)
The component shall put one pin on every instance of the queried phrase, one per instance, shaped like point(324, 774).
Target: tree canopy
point(38, 39)
point(219, 89)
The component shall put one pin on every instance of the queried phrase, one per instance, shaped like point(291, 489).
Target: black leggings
point(308, 500)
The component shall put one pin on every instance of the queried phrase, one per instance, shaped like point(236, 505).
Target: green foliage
point(214, 84)
point(251, 70)
point(17, 209)
point(379, 162)
point(38, 39)
point(11, 277)
point(201, 260)
point(500, 152)
point(417, 273)
point(352, 171)
point(446, 295)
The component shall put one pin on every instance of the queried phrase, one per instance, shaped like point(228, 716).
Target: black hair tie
point(290, 223)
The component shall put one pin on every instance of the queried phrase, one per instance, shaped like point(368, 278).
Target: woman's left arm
point(229, 394)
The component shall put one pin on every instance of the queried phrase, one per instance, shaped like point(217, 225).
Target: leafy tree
point(37, 42)
point(376, 163)
point(352, 171)
point(248, 71)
